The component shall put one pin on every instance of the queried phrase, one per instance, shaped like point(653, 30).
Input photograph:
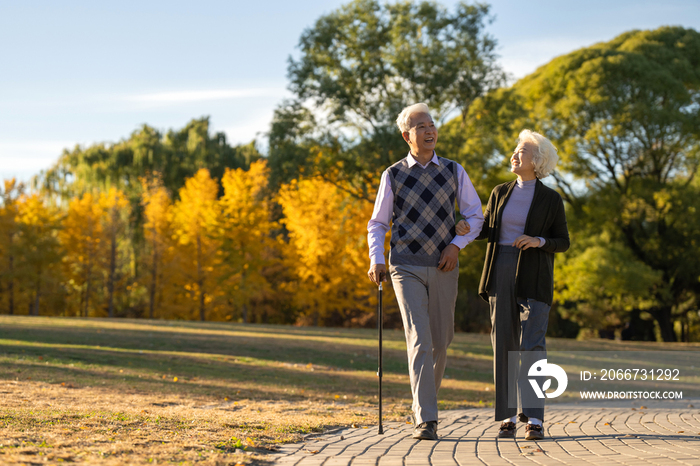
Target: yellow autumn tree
point(9, 229)
point(246, 242)
point(157, 228)
point(327, 248)
point(116, 210)
point(82, 240)
point(40, 258)
point(195, 225)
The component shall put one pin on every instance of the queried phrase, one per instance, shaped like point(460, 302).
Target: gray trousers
point(518, 328)
point(426, 298)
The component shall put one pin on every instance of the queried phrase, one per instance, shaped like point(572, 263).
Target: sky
point(84, 72)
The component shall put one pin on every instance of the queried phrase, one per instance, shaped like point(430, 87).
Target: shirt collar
point(412, 160)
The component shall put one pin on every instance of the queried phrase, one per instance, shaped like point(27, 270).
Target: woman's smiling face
point(522, 161)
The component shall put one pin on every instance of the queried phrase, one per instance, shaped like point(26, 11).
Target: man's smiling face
point(423, 134)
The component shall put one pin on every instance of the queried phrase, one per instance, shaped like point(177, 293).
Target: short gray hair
point(545, 157)
point(404, 119)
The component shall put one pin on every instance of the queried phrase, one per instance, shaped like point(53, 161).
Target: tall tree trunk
point(112, 265)
point(200, 278)
point(37, 296)
point(11, 284)
point(663, 318)
point(82, 300)
point(88, 271)
point(245, 304)
point(154, 276)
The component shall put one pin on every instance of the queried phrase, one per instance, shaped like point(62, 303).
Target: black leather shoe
point(507, 430)
point(426, 431)
point(534, 432)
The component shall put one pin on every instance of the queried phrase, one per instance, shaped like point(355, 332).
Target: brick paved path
point(615, 436)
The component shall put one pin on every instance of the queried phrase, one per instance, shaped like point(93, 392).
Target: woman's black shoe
point(534, 432)
point(507, 430)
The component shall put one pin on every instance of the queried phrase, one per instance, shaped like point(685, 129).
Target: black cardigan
point(534, 276)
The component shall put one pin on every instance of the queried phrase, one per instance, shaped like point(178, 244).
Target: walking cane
point(380, 321)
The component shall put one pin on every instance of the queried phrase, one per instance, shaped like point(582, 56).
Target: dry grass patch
point(83, 391)
point(53, 423)
point(87, 391)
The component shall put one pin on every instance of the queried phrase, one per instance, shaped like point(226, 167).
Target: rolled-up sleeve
point(378, 225)
point(469, 206)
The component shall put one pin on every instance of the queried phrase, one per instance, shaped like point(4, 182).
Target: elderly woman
point(525, 224)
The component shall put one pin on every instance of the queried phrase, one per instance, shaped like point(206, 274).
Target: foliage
point(246, 244)
point(40, 250)
point(82, 240)
point(365, 61)
point(606, 278)
point(117, 211)
point(175, 156)
point(143, 227)
point(9, 229)
point(327, 249)
point(195, 225)
point(359, 66)
point(159, 247)
point(625, 116)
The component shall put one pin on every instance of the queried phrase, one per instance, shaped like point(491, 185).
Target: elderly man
point(418, 193)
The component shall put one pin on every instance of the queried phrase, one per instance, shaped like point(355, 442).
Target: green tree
point(116, 208)
point(176, 155)
point(625, 116)
point(359, 66)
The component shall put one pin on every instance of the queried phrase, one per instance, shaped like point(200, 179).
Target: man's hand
point(463, 227)
point(524, 242)
point(377, 273)
point(448, 258)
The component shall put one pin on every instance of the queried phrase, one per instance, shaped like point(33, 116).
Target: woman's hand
point(463, 228)
point(524, 242)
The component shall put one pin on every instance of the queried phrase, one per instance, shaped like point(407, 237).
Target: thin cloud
point(24, 159)
point(200, 96)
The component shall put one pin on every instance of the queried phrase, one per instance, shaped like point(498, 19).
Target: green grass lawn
point(138, 391)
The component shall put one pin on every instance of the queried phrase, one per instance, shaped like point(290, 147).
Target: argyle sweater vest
point(424, 211)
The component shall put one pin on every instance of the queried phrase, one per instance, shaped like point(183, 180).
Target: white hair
point(404, 119)
point(545, 156)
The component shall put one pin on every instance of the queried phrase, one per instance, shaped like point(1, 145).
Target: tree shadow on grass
point(204, 373)
point(266, 349)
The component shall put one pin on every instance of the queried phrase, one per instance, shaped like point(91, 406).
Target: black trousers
point(518, 329)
